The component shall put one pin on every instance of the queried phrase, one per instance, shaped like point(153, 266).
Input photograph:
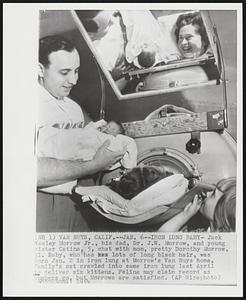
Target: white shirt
point(63, 113)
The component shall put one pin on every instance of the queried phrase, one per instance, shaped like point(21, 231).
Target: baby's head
point(147, 57)
point(112, 127)
point(220, 206)
point(191, 35)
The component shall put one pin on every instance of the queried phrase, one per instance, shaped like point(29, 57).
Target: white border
point(20, 36)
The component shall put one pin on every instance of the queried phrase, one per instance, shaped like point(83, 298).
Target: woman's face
point(208, 206)
point(190, 41)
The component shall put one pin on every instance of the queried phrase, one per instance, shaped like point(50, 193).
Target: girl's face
point(190, 42)
point(208, 206)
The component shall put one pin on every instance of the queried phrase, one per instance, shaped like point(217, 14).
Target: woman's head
point(191, 35)
point(220, 206)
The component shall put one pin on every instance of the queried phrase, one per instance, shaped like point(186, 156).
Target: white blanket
point(82, 143)
point(142, 27)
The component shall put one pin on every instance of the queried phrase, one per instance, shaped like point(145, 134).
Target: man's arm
point(52, 171)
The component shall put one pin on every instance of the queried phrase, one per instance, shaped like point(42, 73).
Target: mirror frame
point(105, 74)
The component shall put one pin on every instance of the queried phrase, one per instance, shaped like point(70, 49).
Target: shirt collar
point(45, 96)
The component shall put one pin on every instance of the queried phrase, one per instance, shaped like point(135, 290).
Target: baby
point(145, 56)
point(144, 38)
point(219, 208)
point(112, 127)
point(82, 143)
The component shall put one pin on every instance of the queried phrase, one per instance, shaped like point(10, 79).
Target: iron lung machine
point(193, 142)
point(180, 103)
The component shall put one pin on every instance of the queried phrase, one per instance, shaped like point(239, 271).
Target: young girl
point(219, 208)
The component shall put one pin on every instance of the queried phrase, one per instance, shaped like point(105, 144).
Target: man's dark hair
point(192, 19)
point(86, 17)
point(52, 43)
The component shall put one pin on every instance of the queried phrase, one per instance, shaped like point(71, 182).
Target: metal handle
point(223, 76)
point(102, 84)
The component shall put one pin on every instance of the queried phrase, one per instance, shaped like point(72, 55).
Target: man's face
point(190, 42)
point(62, 73)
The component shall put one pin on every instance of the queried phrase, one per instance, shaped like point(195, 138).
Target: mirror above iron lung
point(172, 59)
point(141, 54)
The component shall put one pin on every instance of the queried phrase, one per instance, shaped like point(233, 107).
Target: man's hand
point(53, 171)
point(104, 159)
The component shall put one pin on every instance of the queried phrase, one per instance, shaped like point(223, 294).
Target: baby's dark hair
point(121, 128)
point(146, 59)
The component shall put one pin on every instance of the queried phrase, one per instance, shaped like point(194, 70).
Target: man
point(59, 64)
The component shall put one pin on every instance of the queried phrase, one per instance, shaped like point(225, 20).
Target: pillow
point(163, 193)
point(167, 25)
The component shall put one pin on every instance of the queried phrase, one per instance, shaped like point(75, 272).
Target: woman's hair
point(225, 211)
point(52, 43)
point(193, 19)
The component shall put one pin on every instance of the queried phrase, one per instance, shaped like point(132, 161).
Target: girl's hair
point(225, 210)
